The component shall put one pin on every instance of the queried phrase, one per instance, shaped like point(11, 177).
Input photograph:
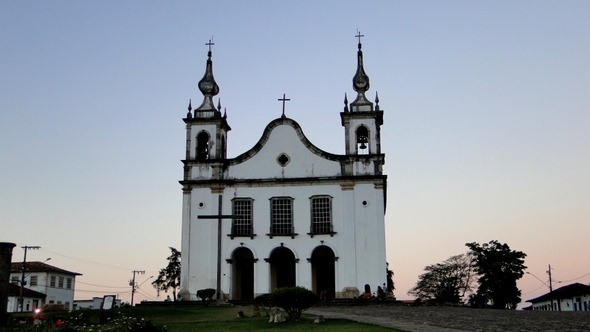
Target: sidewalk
point(389, 322)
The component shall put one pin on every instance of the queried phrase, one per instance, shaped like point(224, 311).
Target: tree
point(446, 282)
point(294, 300)
point(169, 277)
point(390, 284)
point(498, 267)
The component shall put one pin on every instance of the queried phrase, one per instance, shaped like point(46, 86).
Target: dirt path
point(455, 319)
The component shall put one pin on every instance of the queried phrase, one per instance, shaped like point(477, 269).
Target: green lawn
point(196, 318)
point(179, 318)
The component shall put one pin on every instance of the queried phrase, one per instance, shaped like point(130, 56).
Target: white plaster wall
point(566, 304)
point(303, 163)
point(359, 243)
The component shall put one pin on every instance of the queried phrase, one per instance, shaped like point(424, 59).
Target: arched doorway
point(242, 274)
point(323, 272)
point(282, 268)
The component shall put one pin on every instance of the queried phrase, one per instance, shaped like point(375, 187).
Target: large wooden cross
point(219, 218)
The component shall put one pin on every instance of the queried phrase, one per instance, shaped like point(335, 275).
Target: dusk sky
point(486, 123)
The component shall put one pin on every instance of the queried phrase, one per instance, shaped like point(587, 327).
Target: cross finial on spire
point(283, 100)
point(358, 35)
point(210, 43)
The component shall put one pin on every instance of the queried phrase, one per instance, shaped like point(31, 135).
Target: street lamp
point(550, 288)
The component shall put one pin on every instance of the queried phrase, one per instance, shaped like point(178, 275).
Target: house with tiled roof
point(56, 284)
point(574, 297)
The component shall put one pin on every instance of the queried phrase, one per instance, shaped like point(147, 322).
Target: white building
point(306, 217)
point(574, 297)
point(94, 303)
point(31, 298)
point(57, 285)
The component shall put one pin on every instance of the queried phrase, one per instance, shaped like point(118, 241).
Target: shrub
point(294, 300)
point(264, 302)
point(206, 295)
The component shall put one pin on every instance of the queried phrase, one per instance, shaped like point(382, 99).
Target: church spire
point(207, 85)
point(360, 82)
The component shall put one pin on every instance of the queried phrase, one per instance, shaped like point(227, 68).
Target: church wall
point(348, 243)
point(370, 237)
point(201, 236)
point(302, 163)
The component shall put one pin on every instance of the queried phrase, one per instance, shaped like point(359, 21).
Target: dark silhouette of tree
point(390, 284)
point(498, 268)
point(169, 277)
point(446, 282)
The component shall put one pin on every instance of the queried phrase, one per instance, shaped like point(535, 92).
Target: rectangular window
point(281, 216)
point(68, 283)
point(34, 281)
point(52, 281)
point(242, 226)
point(321, 215)
point(14, 280)
point(61, 282)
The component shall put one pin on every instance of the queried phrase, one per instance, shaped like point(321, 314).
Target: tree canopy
point(446, 282)
point(498, 268)
point(169, 277)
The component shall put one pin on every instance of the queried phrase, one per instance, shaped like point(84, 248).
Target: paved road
point(456, 319)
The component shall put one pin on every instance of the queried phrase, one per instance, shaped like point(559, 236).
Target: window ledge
point(232, 236)
point(292, 235)
point(325, 233)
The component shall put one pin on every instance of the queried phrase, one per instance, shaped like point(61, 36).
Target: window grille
point(34, 281)
point(281, 216)
point(52, 281)
point(242, 226)
point(69, 283)
point(321, 215)
point(61, 282)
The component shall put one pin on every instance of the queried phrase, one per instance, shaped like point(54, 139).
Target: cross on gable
point(284, 100)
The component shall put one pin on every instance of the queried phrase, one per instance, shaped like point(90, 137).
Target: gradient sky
point(486, 127)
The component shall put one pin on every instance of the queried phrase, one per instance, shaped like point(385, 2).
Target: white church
point(284, 213)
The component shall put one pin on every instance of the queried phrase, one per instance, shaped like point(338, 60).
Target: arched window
point(203, 146)
point(362, 140)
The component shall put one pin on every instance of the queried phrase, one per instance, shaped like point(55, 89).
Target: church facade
point(284, 213)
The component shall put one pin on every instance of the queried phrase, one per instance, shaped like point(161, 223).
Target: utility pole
point(132, 283)
point(551, 291)
point(23, 282)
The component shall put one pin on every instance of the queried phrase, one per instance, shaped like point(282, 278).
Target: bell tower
point(206, 127)
point(362, 120)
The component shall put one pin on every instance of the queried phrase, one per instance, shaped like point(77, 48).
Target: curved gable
point(266, 134)
point(284, 151)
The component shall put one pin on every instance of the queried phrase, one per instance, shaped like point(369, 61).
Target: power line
point(86, 260)
point(150, 297)
point(100, 291)
point(534, 290)
point(560, 281)
point(85, 283)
